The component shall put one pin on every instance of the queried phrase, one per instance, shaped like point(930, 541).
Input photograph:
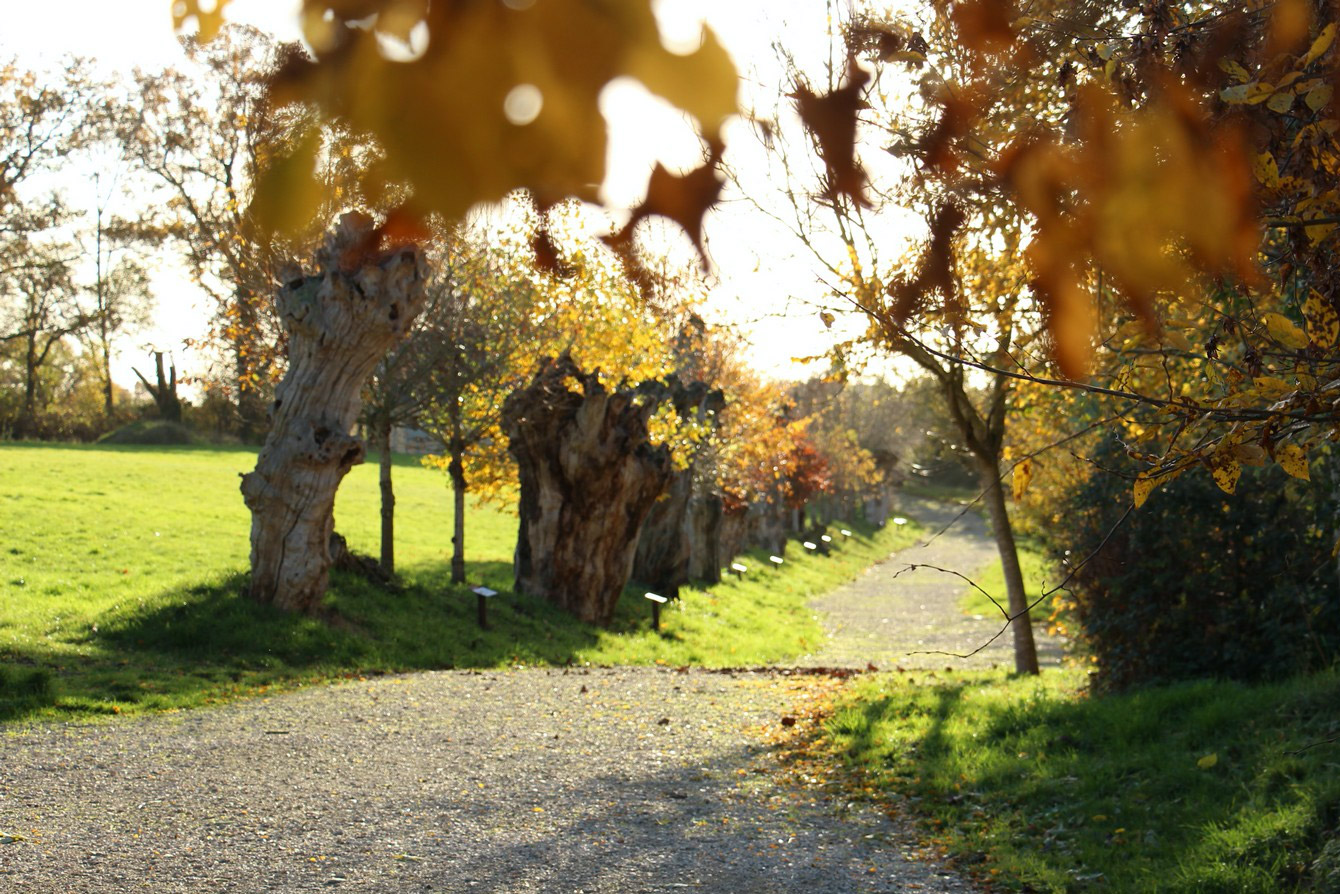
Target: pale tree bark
point(588, 476)
point(340, 321)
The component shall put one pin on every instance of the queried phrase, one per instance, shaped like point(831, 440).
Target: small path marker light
point(846, 533)
point(899, 520)
point(810, 545)
point(738, 569)
point(776, 560)
point(825, 538)
point(481, 606)
point(656, 602)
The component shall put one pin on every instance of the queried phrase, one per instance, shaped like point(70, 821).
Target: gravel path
point(912, 620)
point(615, 781)
point(622, 780)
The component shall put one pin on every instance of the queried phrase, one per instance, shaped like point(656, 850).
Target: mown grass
point(1208, 787)
point(123, 578)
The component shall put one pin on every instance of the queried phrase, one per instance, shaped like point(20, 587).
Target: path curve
point(615, 781)
point(913, 620)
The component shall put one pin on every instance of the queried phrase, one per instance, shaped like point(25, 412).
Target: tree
point(120, 291)
point(43, 120)
point(164, 393)
point(46, 313)
point(341, 320)
point(589, 475)
point(974, 306)
point(204, 135)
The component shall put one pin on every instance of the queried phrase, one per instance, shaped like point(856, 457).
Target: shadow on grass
point(1194, 787)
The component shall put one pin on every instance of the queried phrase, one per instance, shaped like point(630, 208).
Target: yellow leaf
point(1284, 330)
point(1250, 455)
point(1319, 46)
point(1266, 171)
point(827, 318)
point(1271, 386)
point(1293, 460)
point(1259, 92)
point(703, 84)
point(1226, 472)
point(1280, 102)
point(1228, 66)
point(1208, 761)
point(1023, 473)
point(287, 193)
point(1321, 319)
point(1318, 97)
point(1144, 486)
point(209, 23)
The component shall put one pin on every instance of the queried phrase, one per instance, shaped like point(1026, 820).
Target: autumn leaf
point(1226, 471)
point(1144, 486)
point(1321, 319)
point(1284, 330)
point(502, 97)
point(681, 198)
point(832, 120)
point(1319, 46)
point(209, 23)
point(1293, 460)
point(1208, 761)
point(1023, 474)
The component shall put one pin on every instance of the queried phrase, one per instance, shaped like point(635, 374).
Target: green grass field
point(123, 575)
point(1211, 788)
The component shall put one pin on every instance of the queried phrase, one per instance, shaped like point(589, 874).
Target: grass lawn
point(123, 573)
point(1212, 788)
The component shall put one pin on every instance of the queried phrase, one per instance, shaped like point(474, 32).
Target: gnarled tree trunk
point(340, 321)
point(662, 558)
point(665, 547)
point(588, 476)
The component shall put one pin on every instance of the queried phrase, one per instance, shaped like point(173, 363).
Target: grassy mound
point(151, 432)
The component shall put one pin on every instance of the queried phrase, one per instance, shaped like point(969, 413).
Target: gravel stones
point(650, 780)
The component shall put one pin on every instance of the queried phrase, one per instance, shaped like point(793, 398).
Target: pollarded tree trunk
point(588, 476)
point(705, 537)
point(1025, 649)
point(662, 558)
point(340, 321)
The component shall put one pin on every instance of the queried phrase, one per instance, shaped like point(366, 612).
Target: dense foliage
point(1200, 584)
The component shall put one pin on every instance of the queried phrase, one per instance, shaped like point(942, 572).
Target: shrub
point(1197, 583)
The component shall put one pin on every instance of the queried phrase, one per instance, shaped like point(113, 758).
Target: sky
point(765, 283)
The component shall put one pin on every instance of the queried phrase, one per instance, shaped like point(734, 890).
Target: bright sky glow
point(767, 284)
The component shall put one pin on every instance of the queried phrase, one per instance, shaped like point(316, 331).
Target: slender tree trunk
point(456, 468)
point(340, 321)
point(105, 343)
point(388, 498)
point(1025, 650)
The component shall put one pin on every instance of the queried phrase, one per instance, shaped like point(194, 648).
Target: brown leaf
point(984, 25)
point(935, 270)
point(684, 199)
point(832, 120)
